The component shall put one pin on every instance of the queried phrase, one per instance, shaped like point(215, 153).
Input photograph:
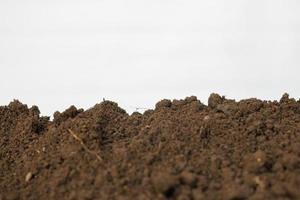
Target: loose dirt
point(181, 150)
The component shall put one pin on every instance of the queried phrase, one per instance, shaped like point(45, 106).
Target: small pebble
point(206, 118)
point(28, 176)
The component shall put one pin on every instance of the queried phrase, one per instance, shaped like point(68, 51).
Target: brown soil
point(181, 150)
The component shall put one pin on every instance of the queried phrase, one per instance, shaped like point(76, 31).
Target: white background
point(136, 52)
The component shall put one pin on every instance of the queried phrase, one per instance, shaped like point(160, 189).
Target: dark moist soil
point(181, 150)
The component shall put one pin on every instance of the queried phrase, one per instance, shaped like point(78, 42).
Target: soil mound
point(181, 150)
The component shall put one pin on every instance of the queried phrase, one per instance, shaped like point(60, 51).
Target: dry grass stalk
point(84, 146)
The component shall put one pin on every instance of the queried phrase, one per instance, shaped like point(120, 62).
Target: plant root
point(84, 146)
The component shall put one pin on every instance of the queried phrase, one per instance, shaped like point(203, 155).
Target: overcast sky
point(136, 52)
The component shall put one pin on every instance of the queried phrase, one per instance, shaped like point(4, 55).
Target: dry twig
point(84, 146)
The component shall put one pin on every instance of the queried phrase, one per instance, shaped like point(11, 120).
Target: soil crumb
point(181, 150)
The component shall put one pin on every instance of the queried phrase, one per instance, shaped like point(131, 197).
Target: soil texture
point(183, 149)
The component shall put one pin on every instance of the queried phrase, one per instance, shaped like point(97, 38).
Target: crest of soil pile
point(180, 150)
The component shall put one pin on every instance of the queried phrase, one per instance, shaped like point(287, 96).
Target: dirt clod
point(214, 100)
point(165, 183)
